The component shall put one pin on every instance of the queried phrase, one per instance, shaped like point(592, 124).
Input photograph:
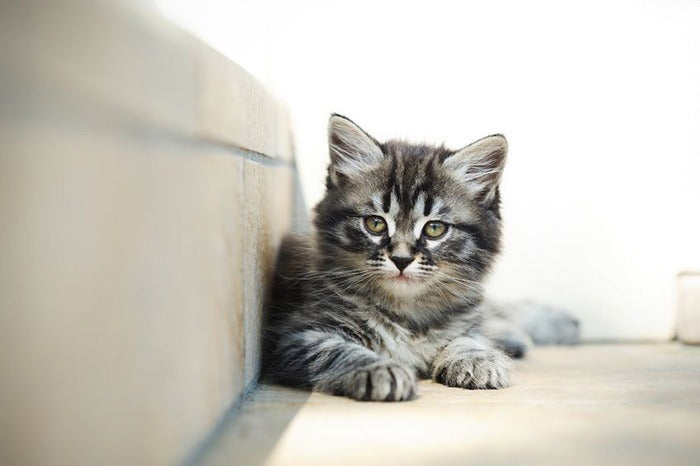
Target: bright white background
point(600, 101)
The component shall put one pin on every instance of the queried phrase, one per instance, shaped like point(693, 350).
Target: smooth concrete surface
point(129, 326)
point(594, 404)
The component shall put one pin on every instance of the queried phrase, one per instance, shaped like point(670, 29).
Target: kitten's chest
point(405, 347)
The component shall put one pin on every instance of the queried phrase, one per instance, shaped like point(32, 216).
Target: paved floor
point(592, 404)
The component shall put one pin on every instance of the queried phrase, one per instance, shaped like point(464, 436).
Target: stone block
point(233, 108)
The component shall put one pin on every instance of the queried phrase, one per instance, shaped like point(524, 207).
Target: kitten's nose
point(401, 262)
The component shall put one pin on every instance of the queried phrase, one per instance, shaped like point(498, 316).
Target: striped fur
point(349, 317)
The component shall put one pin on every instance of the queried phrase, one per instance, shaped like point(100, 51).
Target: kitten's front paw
point(382, 381)
point(475, 370)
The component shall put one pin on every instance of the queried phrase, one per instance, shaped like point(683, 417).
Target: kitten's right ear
point(352, 150)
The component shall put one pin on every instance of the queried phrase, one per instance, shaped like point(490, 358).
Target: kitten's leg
point(472, 362)
point(330, 363)
point(506, 335)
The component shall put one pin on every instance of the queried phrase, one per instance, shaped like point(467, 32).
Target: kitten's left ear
point(480, 165)
point(353, 151)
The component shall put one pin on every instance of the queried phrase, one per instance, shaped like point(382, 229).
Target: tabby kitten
point(389, 287)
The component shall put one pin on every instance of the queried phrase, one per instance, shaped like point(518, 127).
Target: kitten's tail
point(516, 327)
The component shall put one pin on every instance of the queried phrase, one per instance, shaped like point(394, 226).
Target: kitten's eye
point(434, 230)
point(375, 224)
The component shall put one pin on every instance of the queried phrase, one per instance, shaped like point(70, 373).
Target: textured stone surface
point(268, 208)
point(233, 108)
point(597, 404)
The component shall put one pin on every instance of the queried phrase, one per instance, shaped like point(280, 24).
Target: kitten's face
point(409, 222)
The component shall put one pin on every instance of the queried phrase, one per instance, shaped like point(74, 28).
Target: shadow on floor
point(236, 439)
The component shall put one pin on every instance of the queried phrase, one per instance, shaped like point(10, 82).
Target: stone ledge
point(121, 63)
point(233, 108)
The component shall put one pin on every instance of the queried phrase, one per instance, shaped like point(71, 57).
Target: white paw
point(382, 381)
point(475, 370)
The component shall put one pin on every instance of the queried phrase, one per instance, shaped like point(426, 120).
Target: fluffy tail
point(516, 327)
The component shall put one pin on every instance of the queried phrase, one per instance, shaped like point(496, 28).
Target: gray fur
point(545, 325)
point(347, 319)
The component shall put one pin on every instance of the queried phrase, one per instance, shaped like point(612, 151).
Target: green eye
point(434, 230)
point(375, 224)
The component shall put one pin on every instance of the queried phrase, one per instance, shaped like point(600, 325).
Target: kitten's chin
point(403, 286)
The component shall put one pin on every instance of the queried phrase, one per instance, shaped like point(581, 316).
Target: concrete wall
point(145, 182)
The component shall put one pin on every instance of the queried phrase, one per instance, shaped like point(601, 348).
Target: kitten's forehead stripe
point(386, 202)
point(391, 183)
point(428, 206)
point(415, 173)
point(416, 193)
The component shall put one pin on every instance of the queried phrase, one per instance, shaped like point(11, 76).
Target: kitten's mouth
point(401, 278)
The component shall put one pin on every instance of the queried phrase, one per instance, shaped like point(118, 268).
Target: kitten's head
point(409, 223)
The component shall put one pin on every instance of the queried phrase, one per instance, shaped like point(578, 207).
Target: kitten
point(389, 287)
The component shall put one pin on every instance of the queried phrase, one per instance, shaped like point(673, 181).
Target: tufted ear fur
point(480, 165)
point(352, 150)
